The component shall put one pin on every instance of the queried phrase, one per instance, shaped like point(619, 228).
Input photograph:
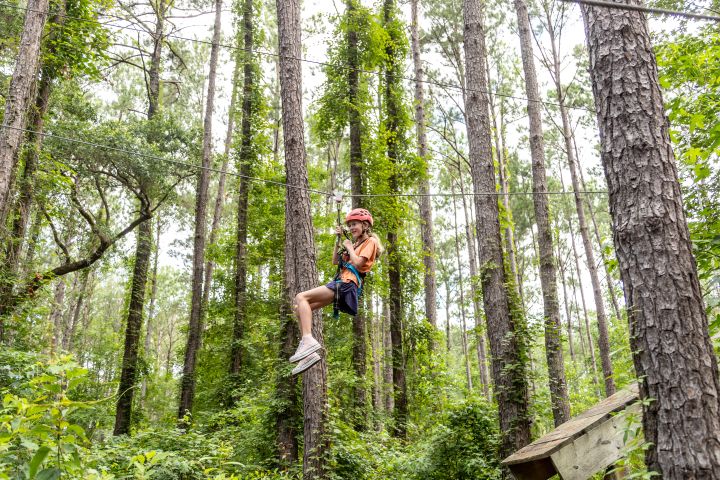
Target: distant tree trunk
point(300, 259)
point(603, 338)
point(477, 309)
point(387, 359)
point(548, 275)
point(68, 339)
point(392, 112)
point(561, 265)
point(461, 288)
point(153, 91)
point(56, 315)
point(608, 276)
point(246, 158)
point(448, 343)
point(376, 342)
point(128, 375)
point(505, 332)
point(192, 347)
point(671, 346)
point(18, 99)
point(426, 220)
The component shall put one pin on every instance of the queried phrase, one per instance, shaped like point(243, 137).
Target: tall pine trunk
point(548, 273)
point(461, 289)
point(300, 259)
point(671, 346)
point(246, 158)
point(133, 328)
point(359, 353)
point(505, 332)
point(192, 346)
point(17, 101)
point(426, 219)
point(392, 106)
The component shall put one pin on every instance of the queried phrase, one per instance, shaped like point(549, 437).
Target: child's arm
point(336, 257)
point(356, 260)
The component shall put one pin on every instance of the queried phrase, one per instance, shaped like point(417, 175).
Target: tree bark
point(392, 125)
point(18, 98)
point(426, 219)
point(505, 333)
point(246, 158)
point(477, 309)
point(56, 315)
point(359, 353)
point(192, 347)
point(128, 375)
point(671, 346)
point(300, 259)
point(548, 274)
point(461, 288)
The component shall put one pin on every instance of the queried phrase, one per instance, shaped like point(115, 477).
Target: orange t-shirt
point(368, 249)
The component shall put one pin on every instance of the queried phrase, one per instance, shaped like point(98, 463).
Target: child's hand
point(348, 245)
point(338, 230)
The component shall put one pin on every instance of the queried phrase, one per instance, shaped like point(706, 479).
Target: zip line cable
point(640, 8)
point(310, 61)
point(281, 184)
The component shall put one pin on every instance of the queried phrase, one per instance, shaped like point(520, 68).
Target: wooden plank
point(595, 450)
point(577, 426)
point(541, 469)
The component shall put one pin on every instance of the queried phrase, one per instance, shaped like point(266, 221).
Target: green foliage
point(38, 439)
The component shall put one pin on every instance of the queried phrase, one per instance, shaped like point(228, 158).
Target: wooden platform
point(580, 447)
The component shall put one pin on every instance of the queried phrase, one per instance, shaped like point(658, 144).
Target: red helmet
point(359, 214)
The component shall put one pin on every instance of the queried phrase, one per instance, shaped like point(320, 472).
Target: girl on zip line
point(354, 259)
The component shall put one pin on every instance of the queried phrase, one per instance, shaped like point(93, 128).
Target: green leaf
point(49, 474)
point(37, 460)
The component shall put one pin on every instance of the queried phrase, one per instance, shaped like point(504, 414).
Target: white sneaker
point(306, 347)
point(306, 363)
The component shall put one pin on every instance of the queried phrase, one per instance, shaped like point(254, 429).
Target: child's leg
point(309, 300)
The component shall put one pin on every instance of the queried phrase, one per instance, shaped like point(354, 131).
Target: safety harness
point(358, 276)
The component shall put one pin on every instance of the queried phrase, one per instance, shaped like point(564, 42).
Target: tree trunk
point(300, 259)
point(192, 347)
point(246, 158)
point(505, 333)
point(392, 124)
point(477, 309)
point(387, 359)
point(608, 276)
point(128, 375)
point(359, 353)
point(548, 274)
point(68, 339)
point(461, 288)
point(151, 306)
point(672, 350)
point(288, 412)
point(426, 219)
point(561, 265)
point(18, 99)
point(56, 315)
point(153, 91)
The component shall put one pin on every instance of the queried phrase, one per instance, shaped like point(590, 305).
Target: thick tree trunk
point(300, 259)
point(672, 350)
point(505, 333)
point(359, 353)
point(246, 158)
point(18, 99)
point(192, 347)
point(426, 220)
point(461, 288)
point(548, 274)
point(133, 327)
point(392, 124)
point(288, 412)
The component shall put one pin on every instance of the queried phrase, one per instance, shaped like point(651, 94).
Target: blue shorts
point(347, 296)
